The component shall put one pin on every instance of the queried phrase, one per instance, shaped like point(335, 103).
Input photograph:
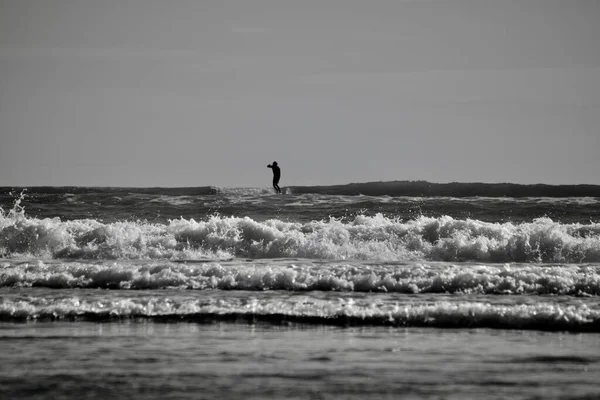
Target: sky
point(208, 92)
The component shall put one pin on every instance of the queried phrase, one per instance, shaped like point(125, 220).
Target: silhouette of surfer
point(276, 175)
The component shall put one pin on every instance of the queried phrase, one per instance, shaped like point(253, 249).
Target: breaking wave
point(304, 275)
point(359, 238)
point(305, 310)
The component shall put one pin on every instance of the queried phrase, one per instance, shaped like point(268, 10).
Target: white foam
point(547, 316)
point(303, 275)
point(361, 238)
point(173, 200)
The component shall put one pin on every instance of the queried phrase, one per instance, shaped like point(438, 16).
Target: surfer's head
point(274, 162)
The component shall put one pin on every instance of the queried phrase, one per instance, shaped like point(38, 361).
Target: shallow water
point(239, 361)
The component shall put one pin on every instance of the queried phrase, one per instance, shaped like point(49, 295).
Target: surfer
point(276, 175)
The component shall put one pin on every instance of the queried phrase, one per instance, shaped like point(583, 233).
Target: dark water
point(162, 204)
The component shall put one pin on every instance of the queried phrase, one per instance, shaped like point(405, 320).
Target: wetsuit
point(276, 176)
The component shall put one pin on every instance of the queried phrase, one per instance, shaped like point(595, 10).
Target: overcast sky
point(196, 92)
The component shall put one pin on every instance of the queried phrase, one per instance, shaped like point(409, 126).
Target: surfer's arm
point(269, 166)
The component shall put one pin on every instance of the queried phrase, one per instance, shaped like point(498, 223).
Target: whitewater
point(360, 290)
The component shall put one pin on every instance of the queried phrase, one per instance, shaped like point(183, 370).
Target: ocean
point(373, 290)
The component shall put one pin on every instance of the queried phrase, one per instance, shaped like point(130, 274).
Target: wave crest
point(540, 316)
point(361, 238)
point(307, 276)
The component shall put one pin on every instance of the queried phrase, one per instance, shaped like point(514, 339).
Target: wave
point(359, 238)
point(454, 189)
point(77, 190)
point(389, 188)
point(309, 310)
point(244, 192)
point(300, 276)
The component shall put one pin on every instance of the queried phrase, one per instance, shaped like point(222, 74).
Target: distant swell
point(454, 189)
point(170, 191)
point(389, 188)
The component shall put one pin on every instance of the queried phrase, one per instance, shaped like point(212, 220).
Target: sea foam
point(358, 238)
point(304, 275)
point(308, 310)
